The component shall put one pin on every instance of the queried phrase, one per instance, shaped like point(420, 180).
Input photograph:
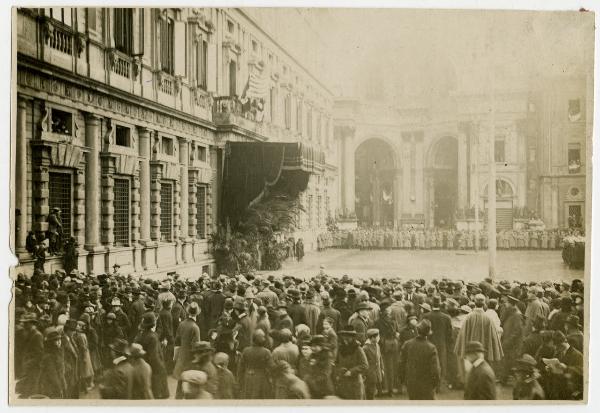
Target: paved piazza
point(429, 264)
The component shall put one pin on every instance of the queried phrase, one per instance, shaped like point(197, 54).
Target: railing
point(167, 86)
point(121, 66)
point(60, 39)
point(228, 105)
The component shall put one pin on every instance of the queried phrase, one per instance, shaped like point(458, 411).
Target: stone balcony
point(229, 112)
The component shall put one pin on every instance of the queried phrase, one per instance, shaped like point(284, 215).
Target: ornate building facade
point(122, 120)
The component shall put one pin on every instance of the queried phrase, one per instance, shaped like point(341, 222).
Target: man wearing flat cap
point(374, 374)
point(481, 380)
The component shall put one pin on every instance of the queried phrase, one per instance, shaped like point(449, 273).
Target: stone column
point(462, 171)
point(406, 175)
point(398, 197)
point(184, 198)
point(144, 173)
point(92, 173)
point(419, 191)
point(21, 176)
point(555, 203)
point(349, 174)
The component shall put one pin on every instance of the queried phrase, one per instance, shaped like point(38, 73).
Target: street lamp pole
point(492, 167)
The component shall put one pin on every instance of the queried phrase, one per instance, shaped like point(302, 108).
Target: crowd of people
point(268, 337)
point(366, 238)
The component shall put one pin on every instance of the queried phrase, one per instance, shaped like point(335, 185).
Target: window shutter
point(211, 67)
point(179, 48)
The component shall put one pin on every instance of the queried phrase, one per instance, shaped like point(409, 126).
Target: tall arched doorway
point(374, 183)
point(445, 182)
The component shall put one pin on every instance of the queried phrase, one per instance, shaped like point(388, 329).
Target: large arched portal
point(445, 182)
point(374, 183)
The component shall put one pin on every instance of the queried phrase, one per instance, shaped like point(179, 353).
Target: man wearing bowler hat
point(361, 322)
point(481, 380)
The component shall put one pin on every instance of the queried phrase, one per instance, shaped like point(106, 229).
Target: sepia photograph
point(267, 204)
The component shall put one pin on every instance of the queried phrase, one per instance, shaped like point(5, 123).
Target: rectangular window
point(61, 121)
point(167, 146)
point(319, 214)
point(574, 110)
point(123, 30)
point(91, 18)
point(201, 63)
point(201, 211)
point(202, 153)
point(299, 116)
point(166, 211)
point(232, 78)
point(61, 14)
point(230, 26)
point(122, 204)
point(273, 103)
point(309, 130)
point(499, 153)
point(206, 269)
point(167, 45)
point(310, 211)
point(288, 111)
point(319, 128)
point(60, 196)
point(123, 136)
point(574, 160)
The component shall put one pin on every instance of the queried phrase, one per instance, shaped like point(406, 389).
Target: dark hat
point(362, 306)
point(71, 324)
point(425, 306)
point(52, 334)
point(282, 304)
point(512, 299)
point(148, 320)
point(202, 347)
point(293, 293)
point(385, 303)
point(436, 301)
point(319, 340)
point(525, 363)
point(120, 346)
point(474, 347)
point(424, 328)
point(573, 320)
point(228, 304)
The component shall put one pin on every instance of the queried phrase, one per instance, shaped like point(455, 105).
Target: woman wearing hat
point(526, 386)
point(51, 381)
point(149, 340)
point(253, 372)
point(350, 366)
point(86, 369)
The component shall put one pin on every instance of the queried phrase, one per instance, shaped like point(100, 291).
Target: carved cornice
point(132, 108)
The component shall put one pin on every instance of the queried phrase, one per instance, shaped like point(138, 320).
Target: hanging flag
point(257, 86)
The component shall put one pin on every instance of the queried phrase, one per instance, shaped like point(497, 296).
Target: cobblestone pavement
point(529, 265)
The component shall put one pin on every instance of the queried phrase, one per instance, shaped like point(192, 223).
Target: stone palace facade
point(122, 119)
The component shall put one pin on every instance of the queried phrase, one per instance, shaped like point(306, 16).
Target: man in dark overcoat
point(419, 365)
point(441, 332)
point(481, 380)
